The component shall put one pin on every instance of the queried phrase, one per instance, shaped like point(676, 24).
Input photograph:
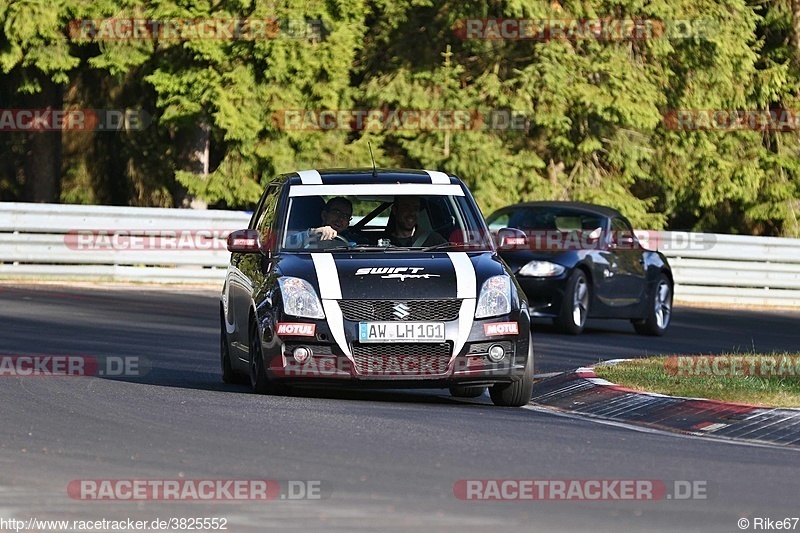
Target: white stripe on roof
point(310, 177)
point(438, 177)
point(376, 189)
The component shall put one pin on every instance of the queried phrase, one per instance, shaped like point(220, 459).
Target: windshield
point(370, 222)
point(547, 219)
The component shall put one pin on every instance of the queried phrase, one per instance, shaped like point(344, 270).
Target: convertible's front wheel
point(575, 305)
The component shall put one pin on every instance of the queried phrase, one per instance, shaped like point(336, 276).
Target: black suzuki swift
point(373, 277)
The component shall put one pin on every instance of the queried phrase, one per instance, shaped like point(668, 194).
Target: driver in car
point(336, 216)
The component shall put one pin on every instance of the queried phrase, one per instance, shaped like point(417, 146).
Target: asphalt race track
point(378, 460)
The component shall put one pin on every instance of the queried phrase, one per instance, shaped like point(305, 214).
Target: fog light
point(496, 353)
point(301, 354)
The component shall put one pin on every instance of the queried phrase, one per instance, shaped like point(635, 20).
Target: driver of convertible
point(336, 217)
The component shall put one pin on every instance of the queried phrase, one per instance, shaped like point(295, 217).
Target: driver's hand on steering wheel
point(325, 233)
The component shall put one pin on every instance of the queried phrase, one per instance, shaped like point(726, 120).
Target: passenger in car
point(405, 230)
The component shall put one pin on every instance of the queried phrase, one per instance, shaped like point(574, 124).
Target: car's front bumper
point(415, 365)
point(544, 294)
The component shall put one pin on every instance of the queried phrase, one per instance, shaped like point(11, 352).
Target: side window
point(621, 234)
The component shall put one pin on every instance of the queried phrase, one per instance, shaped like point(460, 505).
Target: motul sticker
point(300, 330)
point(501, 328)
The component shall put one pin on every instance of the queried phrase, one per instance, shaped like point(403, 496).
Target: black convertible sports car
point(576, 260)
point(411, 294)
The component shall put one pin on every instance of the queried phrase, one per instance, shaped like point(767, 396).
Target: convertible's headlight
point(495, 297)
point(541, 269)
point(299, 298)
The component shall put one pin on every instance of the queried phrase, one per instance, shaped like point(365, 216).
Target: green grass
point(756, 382)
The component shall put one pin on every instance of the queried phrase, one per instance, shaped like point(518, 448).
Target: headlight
point(541, 269)
point(495, 297)
point(299, 298)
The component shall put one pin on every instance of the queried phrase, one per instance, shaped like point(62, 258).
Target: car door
point(623, 279)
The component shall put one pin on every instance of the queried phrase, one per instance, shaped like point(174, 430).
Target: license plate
point(401, 331)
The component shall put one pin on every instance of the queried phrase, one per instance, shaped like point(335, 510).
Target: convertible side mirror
point(511, 238)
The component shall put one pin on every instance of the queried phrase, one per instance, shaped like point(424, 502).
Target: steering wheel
point(321, 245)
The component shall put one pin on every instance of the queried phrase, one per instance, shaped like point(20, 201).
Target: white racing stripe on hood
point(466, 289)
point(310, 177)
point(466, 285)
point(330, 291)
point(328, 276)
point(438, 177)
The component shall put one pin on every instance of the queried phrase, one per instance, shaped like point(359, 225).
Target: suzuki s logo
point(401, 310)
point(401, 273)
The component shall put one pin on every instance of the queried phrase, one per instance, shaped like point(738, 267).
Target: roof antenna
point(374, 170)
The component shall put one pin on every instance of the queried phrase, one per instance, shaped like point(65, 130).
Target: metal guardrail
point(735, 269)
point(106, 243)
point(47, 241)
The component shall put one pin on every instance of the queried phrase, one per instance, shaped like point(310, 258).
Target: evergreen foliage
point(595, 120)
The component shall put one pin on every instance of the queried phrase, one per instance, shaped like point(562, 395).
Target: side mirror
point(511, 238)
point(245, 241)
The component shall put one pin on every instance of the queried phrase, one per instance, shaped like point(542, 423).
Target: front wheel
point(659, 309)
point(575, 305)
point(228, 375)
point(258, 373)
point(519, 392)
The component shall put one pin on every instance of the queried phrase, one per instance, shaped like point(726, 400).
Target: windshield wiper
point(441, 245)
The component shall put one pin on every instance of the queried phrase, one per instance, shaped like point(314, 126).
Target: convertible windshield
point(547, 218)
point(370, 222)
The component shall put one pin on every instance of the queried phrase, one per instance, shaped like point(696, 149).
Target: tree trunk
point(43, 151)
point(796, 26)
point(199, 160)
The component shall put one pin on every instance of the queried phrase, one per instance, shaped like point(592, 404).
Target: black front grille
point(442, 310)
point(398, 359)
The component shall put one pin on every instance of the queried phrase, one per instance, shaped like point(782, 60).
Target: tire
point(659, 309)
point(258, 372)
point(575, 305)
point(228, 375)
point(467, 392)
point(519, 392)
